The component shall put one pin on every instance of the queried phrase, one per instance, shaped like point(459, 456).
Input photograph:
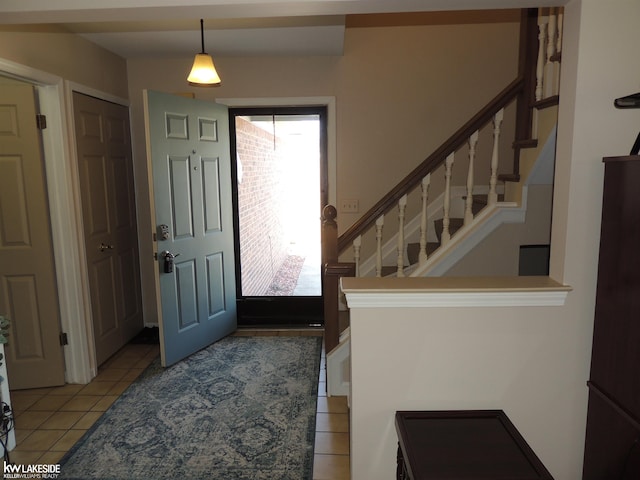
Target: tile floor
point(50, 420)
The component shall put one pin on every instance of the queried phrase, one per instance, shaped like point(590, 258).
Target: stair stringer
point(339, 367)
point(466, 239)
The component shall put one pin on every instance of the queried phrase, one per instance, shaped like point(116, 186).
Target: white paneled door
point(190, 160)
point(28, 291)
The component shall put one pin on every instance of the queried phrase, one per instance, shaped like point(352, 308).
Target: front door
point(189, 155)
point(105, 168)
point(28, 291)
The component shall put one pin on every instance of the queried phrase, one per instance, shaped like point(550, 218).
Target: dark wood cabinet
point(612, 447)
point(463, 445)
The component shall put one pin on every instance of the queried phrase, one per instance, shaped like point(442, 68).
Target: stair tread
point(481, 201)
point(526, 143)
point(547, 102)
point(454, 225)
point(413, 251)
point(509, 177)
point(388, 270)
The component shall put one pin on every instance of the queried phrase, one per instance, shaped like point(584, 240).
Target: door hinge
point(41, 121)
point(63, 339)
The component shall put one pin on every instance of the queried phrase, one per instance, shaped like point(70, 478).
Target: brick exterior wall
point(263, 246)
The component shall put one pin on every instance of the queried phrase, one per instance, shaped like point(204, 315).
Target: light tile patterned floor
point(50, 420)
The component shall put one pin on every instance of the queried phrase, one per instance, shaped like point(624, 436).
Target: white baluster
point(493, 182)
point(542, 40)
point(422, 256)
point(556, 77)
point(379, 225)
point(559, 36)
point(357, 243)
point(448, 165)
point(402, 206)
point(551, 48)
point(468, 213)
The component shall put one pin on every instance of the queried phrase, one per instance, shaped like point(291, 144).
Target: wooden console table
point(465, 444)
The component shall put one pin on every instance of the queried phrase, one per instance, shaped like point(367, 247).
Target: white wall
point(531, 362)
point(523, 362)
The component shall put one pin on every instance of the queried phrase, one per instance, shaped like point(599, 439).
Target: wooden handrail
point(438, 157)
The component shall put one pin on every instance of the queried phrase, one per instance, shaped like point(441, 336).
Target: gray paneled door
point(28, 291)
point(105, 169)
point(190, 157)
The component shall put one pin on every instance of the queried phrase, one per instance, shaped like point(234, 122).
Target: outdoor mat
point(243, 408)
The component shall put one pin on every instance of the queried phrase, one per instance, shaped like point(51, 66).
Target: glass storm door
point(279, 190)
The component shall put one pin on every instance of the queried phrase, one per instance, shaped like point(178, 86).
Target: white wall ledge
point(425, 292)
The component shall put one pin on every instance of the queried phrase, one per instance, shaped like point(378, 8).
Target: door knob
point(104, 246)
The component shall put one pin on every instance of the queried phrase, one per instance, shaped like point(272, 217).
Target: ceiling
point(171, 28)
point(255, 37)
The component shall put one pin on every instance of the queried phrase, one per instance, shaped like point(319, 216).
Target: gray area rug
point(243, 408)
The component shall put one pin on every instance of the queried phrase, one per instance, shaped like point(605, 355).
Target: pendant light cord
point(202, 34)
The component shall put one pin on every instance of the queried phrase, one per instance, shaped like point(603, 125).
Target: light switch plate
point(349, 205)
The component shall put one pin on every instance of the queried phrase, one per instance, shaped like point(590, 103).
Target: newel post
point(332, 271)
point(329, 235)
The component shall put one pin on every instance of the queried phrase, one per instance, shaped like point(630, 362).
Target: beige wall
point(400, 92)
point(498, 254)
point(58, 52)
point(404, 91)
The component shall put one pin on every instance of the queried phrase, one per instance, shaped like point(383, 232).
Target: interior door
point(105, 166)
point(188, 143)
point(28, 291)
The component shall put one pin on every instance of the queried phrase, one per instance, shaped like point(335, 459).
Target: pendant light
point(203, 73)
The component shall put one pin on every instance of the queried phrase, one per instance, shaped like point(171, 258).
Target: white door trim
point(78, 87)
point(329, 102)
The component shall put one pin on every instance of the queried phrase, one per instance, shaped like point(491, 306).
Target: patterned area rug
point(243, 408)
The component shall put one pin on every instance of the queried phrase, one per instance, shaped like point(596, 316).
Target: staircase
point(439, 211)
point(413, 249)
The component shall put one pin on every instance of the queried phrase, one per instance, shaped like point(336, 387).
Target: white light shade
point(203, 73)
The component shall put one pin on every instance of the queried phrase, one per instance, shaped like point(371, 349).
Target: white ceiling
point(256, 40)
point(171, 28)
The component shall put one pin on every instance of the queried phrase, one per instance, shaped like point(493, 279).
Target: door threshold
point(279, 332)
